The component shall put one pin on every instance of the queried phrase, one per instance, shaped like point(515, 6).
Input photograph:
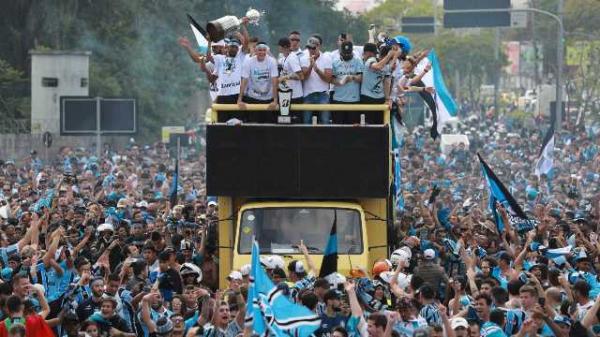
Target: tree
point(14, 89)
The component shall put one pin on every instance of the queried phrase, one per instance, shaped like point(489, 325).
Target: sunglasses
point(312, 48)
point(294, 39)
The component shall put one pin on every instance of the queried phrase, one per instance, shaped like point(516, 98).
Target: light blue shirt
point(373, 80)
point(350, 91)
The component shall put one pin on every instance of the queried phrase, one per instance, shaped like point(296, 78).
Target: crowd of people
point(115, 246)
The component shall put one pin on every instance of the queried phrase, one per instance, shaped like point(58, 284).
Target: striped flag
point(442, 105)
point(330, 256)
point(175, 182)
point(498, 193)
point(396, 146)
point(271, 311)
point(199, 34)
point(545, 159)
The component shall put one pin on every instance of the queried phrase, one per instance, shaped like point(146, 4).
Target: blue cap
point(404, 43)
point(6, 273)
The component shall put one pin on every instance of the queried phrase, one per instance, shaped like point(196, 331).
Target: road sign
point(418, 24)
point(79, 115)
point(484, 19)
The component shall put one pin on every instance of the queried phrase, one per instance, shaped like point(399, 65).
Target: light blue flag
point(272, 312)
point(396, 146)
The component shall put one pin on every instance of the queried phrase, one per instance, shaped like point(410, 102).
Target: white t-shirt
point(229, 72)
point(314, 83)
point(290, 65)
point(303, 56)
point(396, 75)
point(260, 75)
point(213, 88)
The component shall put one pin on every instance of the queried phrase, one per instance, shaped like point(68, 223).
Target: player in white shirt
point(316, 80)
point(296, 48)
point(290, 74)
point(260, 84)
point(228, 70)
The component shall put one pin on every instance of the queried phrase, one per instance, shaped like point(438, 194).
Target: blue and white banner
point(545, 159)
point(499, 194)
point(446, 107)
point(271, 311)
point(396, 146)
point(199, 34)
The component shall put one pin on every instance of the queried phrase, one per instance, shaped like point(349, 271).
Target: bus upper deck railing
point(333, 108)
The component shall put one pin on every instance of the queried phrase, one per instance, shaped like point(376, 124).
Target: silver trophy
point(219, 28)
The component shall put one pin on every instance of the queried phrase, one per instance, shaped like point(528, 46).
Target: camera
point(69, 179)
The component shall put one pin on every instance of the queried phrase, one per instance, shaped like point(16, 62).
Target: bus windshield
point(279, 230)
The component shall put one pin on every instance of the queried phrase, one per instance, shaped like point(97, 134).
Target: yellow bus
point(282, 183)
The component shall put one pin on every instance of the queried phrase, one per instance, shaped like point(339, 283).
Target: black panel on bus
point(330, 162)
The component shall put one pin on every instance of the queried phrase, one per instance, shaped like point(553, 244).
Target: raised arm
point(394, 287)
point(355, 307)
point(146, 318)
point(54, 241)
point(245, 37)
point(379, 65)
point(241, 315)
point(83, 243)
point(419, 77)
point(312, 268)
point(43, 302)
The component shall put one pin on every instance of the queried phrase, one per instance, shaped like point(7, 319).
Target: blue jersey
point(54, 284)
point(431, 314)
point(514, 321)
point(350, 91)
point(489, 329)
point(373, 80)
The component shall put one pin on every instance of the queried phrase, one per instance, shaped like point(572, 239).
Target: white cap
point(245, 269)
point(122, 203)
point(335, 279)
point(398, 256)
point(407, 250)
point(106, 227)
point(459, 322)
point(429, 254)
point(190, 268)
point(272, 262)
point(212, 203)
point(142, 203)
point(235, 275)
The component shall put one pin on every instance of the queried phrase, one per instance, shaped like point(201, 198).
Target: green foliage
point(389, 13)
point(14, 103)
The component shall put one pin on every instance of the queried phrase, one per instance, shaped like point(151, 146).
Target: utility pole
point(497, 77)
point(435, 28)
point(559, 68)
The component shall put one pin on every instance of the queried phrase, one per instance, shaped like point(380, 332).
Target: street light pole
point(559, 67)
